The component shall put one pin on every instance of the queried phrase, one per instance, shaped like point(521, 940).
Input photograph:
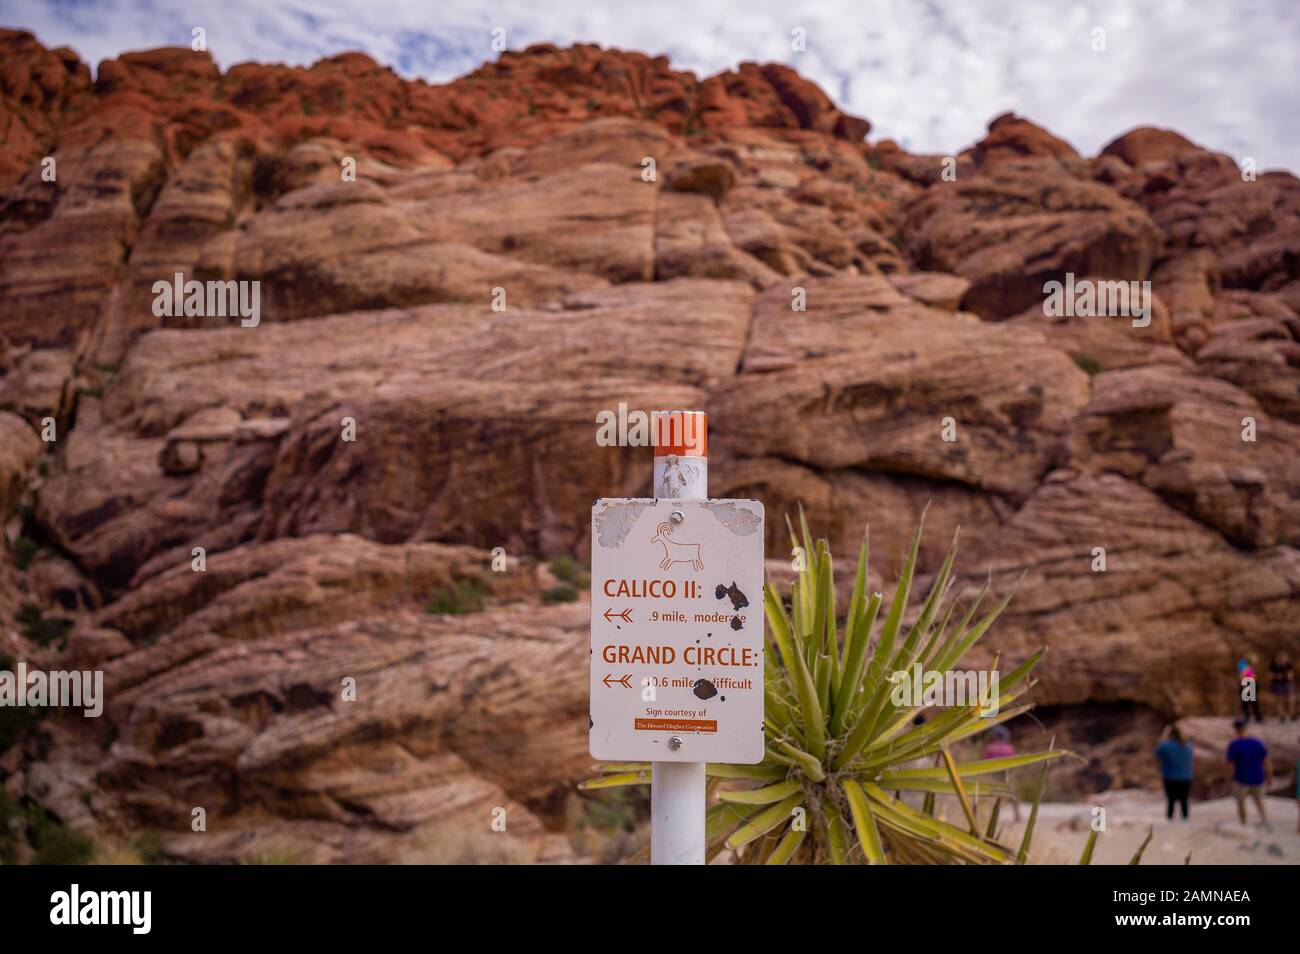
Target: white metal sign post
point(677, 634)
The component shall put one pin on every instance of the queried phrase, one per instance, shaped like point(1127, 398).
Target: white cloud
point(925, 74)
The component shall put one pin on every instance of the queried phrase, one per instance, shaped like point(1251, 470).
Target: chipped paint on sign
point(742, 521)
point(614, 520)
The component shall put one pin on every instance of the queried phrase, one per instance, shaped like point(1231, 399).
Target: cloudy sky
point(927, 73)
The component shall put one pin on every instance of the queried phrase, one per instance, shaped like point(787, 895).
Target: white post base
point(677, 813)
point(677, 788)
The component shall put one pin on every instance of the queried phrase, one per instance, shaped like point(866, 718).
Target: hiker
point(1281, 682)
point(1246, 671)
point(1175, 757)
point(1000, 747)
point(1250, 770)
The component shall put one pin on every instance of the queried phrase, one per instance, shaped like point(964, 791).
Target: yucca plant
point(845, 765)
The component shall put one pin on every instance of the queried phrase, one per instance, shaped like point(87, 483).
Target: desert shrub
point(1088, 364)
point(567, 570)
point(560, 594)
point(842, 749)
point(149, 846)
point(464, 596)
point(56, 843)
point(24, 550)
point(15, 722)
point(43, 630)
point(272, 856)
point(463, 841)
point(51, 841)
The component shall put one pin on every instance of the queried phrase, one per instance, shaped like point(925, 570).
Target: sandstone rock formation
point(558, 233)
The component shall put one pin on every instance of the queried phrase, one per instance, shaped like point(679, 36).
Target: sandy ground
point(1213, 835)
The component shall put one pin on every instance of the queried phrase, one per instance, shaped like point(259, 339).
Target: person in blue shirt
point(1250, 770)
point(1297, 793)
point(1175, 757)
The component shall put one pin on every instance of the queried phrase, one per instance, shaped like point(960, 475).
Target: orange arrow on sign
point(625, 616)
point(618, 682)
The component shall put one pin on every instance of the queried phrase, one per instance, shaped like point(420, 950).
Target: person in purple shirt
point(1250, 770)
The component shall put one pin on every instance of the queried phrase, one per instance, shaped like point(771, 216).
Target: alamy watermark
point(133, 909)
point(23, 687)
point(917, 687)
point(211, 299)
point(1086, 298)
point(624, 428)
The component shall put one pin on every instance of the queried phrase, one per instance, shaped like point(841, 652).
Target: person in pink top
point(1246, 671)
point(999, 747)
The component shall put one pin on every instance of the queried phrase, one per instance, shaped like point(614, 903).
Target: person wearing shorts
point(1250, 771)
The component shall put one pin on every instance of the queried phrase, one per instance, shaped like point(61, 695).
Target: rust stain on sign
point(704, 689)
point(738, 599)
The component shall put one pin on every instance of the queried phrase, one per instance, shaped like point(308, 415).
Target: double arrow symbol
point(625, 616)
point(618, 682)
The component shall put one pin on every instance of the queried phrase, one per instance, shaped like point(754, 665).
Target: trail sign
point(677, 630)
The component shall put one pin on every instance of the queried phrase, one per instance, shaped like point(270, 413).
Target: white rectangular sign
point(677, 630)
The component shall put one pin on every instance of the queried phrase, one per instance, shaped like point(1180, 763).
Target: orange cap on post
point(681, 433)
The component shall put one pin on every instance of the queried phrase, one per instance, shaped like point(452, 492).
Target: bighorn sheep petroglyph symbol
point(676, 552)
